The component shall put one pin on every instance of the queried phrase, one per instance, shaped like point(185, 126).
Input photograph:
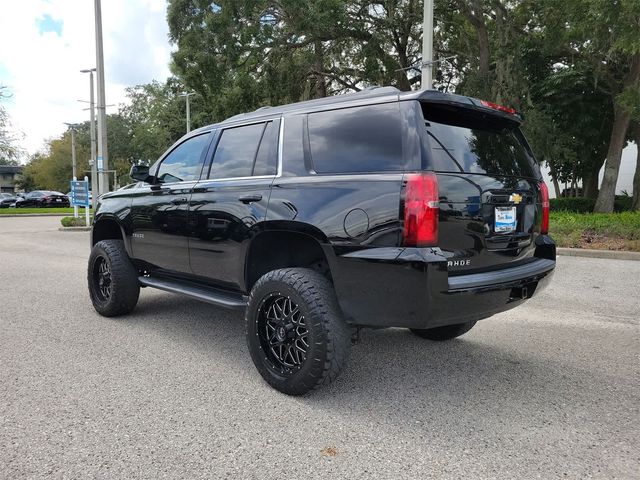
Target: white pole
point(188, 115)
point(94, 166)
point(102, 158)
point(86, 208)
point(75, 207)
point(427, 46)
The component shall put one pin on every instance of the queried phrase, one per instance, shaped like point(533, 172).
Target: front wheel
point(112, 278)
point(296, 335)
point(447, 332)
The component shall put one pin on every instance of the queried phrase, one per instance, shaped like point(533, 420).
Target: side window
point(356, 140)
point(267, 158)
point(184, 162)
point(236, 152)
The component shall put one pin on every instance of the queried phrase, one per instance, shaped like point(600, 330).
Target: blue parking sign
point(80, 193)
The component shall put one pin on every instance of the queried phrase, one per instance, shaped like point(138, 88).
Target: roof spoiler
point(477, 105)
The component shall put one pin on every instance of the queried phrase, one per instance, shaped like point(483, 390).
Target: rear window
point(461, 142)
point(357, 140)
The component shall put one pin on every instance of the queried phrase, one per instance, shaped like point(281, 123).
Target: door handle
point(250, 198)
point(178, 201)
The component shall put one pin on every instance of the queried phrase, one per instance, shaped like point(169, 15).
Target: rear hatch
point(488, 181)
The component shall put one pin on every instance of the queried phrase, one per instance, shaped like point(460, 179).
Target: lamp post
point(74, 165)
point(427, 46)
point(187, 95)
point(102, 158)
point(92, 126)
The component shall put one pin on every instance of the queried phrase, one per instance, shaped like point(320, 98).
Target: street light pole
point(74, 164)
point(427, 46)
point(102, 158)
point(187, 95)
point(92, 126)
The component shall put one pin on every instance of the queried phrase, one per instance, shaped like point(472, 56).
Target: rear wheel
point(447, 332)
point(296, 335)
point(112, 278)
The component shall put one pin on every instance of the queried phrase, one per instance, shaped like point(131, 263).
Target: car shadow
point(391, 373)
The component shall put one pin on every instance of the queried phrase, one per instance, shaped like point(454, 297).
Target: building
point(8, 176)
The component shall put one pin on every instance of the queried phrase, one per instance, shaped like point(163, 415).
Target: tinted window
point(236, 152)
point(460, 143)
point(267, 158)
point(361, 139)
point(184, 162)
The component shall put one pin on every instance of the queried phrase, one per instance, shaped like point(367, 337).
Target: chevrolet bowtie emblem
point(515, 198)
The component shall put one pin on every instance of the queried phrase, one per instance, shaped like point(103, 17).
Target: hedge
point(585, 205)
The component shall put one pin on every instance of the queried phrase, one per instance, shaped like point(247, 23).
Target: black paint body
point(203, 231)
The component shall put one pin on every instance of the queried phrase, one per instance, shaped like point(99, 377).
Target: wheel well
point(106, 230)
point(275, 250)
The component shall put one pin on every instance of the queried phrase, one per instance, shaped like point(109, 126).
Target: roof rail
point(380, 89)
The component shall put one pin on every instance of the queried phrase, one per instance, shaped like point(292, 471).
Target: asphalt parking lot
point(549, 390)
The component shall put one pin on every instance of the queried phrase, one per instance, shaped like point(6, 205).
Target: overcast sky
point(45, 43)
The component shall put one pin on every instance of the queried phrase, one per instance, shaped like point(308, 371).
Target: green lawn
point(606, 231)
point(23, 211)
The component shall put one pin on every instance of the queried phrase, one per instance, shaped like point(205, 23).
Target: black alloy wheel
point(102, 277)
point(283, 333)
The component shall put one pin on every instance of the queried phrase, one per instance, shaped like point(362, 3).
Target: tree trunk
point(607, 194)
point(635, 205)
point(621, 120)
point(590, 184)
point(554, 180)
point(635, 135)
point(321, 81)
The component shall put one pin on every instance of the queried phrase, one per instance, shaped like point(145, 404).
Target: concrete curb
point(74, 229)
point(610, 254)
point(14, 215)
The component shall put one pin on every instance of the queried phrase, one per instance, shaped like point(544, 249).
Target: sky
point(45, 43)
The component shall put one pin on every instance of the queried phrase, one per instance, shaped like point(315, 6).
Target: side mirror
point(140, 173)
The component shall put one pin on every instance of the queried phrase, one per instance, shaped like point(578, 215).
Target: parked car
point(43, 198)
point(422, 210)
point(7, 199)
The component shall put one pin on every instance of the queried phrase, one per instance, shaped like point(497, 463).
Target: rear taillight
point(501, 108)
point(421, 209)
point(544, 192)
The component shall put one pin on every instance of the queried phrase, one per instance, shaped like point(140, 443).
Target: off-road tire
point(328, 335)
point(448, 332)
point(125, 288)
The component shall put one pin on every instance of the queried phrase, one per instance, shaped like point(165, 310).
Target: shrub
point(622, 203)
point(72, 222)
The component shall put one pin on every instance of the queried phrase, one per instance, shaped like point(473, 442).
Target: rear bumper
point(411, 287)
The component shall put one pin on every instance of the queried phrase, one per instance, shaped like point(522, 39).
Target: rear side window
point(357, 140)
point(457, 142)
point(246, 151)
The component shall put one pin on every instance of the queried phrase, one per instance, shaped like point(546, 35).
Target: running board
point(205, 294)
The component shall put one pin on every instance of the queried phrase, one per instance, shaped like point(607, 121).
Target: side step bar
point(205, 294)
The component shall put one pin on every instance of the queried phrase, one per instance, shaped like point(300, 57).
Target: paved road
point(546, 391)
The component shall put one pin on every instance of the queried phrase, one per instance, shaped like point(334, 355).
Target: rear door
point(488, 181)
point(228, 204)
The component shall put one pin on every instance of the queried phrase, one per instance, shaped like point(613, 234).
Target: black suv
point(377, 209)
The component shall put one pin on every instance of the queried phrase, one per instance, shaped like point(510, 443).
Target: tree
point(604, 36)
point(9, 151)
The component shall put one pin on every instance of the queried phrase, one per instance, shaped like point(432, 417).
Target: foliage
point(27, 211)
point(9, 150)
point(584, 205)
point(615, 231)
point(73, 221)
